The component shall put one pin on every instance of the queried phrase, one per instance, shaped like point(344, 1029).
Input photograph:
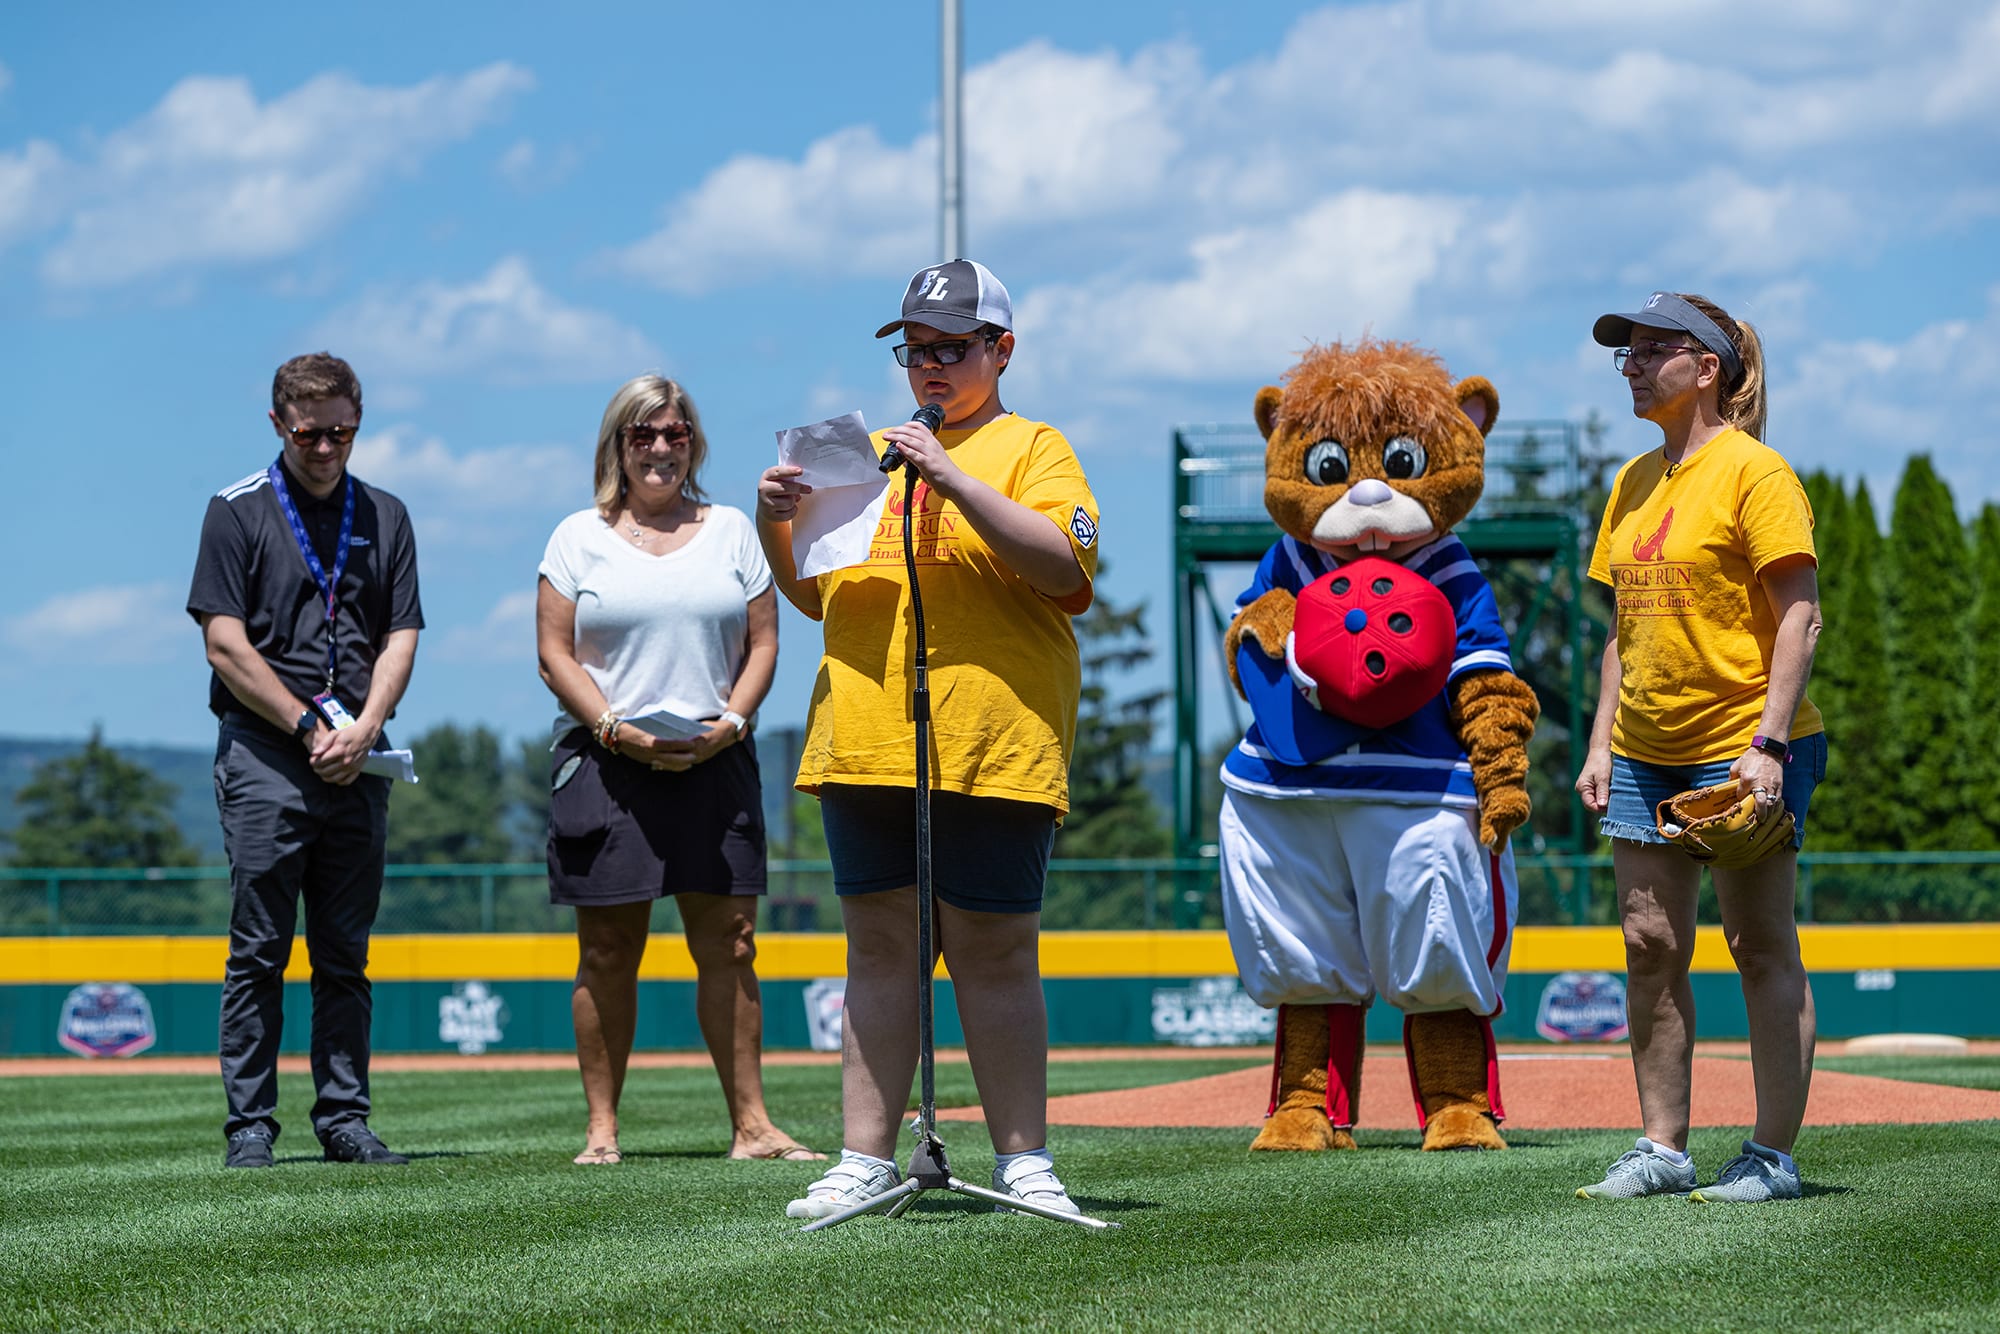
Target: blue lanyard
point(329, 587)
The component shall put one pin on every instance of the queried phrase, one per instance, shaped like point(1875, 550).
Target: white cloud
point(1859, 407)
point(505, 634)
point(1058, 137)
point(211, 176)
point(112, 624)
point(849, 205)
point(530, 168)
point(29, 183)
point(1812, 128)
point(1256, 296)
point(425, 473)
point(503, 325)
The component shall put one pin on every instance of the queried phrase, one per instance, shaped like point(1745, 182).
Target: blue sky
point(500, 212)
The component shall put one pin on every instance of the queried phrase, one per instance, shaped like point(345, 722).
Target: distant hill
point(191, 771)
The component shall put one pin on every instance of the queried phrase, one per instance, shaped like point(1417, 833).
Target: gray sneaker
point(849, 1182)
point(1751, 1177)
point(249, 1147)
point(1641, 1171)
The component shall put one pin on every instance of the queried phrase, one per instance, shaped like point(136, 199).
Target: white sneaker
point(1033, 1180)
point(851, 1181)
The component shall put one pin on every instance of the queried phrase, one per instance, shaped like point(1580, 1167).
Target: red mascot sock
point(1315, 1079)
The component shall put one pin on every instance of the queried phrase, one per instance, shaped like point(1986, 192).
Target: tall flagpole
point(951, 121)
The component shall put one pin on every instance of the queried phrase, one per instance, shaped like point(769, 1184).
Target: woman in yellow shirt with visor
point(1707, 546)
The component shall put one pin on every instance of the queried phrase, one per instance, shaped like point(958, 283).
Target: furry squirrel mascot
point(1367, 810)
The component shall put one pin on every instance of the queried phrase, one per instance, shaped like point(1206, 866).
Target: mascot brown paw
point(1315, 1080)
point(1266, 623)
point(1455, 1076)
point(1300, 1130)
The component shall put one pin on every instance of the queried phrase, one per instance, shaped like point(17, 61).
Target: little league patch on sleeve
point(1083, 527)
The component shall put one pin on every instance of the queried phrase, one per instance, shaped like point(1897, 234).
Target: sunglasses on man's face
point(306, 437)
point(673, 435)
point(949, 352)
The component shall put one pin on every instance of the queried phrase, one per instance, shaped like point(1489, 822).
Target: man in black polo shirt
point(306, 591)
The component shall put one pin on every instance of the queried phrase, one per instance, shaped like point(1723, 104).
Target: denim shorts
point(1638, 788)
point(988, 854)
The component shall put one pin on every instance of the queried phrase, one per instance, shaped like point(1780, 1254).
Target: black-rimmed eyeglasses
point(1647, 353)
point(947, 352)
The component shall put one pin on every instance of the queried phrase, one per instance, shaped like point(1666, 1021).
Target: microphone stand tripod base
point(929, 1171)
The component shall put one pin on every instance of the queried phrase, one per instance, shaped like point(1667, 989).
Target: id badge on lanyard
point(329, 587)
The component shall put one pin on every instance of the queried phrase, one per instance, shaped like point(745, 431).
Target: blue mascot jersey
point(1294, 750)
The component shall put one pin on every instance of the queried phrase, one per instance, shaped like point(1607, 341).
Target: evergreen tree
point(1864, 729)
point(458, 812)
point(529, 800)
point(96, 808)
point(1980, 744)
point(1928, 598)
point(1840, 805)
point(1111, 813)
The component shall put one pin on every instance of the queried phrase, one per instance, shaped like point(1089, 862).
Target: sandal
point(790, 1153)
point(599, 1155)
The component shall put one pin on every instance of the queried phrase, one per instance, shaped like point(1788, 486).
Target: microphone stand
point(928, 1169)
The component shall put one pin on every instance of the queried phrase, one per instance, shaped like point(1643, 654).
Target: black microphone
point(932, 416)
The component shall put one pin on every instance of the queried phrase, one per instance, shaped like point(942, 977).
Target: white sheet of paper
point(667, 725)
point(835, 452)
point(837, 521)
point(833, 528)
point(391, 764)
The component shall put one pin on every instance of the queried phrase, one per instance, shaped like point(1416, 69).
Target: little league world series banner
point(113, 997)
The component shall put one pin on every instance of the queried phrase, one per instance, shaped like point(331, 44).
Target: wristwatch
point(1772, 746)
point(303, 728)
point(737, 721)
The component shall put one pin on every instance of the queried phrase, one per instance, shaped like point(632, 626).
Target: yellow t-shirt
point(1695, 630)
point(1004, 675)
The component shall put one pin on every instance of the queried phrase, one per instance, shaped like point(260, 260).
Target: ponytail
point(1742, 403)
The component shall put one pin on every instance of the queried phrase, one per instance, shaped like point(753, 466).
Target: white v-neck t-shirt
point(659, 631)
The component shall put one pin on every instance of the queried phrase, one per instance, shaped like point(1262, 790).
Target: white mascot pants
point(1335, 902)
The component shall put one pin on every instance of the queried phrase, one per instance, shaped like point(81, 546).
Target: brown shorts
point(623, 832)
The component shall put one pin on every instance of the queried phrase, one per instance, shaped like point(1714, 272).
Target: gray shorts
point(623, 832)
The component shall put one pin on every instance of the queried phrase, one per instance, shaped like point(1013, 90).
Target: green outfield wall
point(479, 993)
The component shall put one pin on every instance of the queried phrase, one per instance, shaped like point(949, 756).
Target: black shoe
point(250, 1147)
point(357, 1144)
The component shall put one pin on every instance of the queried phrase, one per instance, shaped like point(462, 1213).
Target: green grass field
point(115, 1214)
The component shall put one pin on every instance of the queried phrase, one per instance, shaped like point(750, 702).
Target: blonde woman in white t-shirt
point(656, 600)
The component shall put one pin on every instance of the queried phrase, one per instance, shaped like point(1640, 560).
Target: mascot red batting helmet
point(1371, 643)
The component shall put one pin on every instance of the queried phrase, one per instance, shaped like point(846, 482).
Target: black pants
point(291, 835)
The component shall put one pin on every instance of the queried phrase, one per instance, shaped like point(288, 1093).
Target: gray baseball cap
point(1664, 310)
point(957, 297)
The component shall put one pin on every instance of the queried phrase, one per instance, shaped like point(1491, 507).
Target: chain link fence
point(1105, 895)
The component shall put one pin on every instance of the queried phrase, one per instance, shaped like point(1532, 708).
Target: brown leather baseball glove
point(1722, 825)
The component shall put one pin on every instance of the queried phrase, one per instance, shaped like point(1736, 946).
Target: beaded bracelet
point(607, 728)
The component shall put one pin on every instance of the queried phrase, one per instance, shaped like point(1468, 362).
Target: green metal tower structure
point(1526, 530)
